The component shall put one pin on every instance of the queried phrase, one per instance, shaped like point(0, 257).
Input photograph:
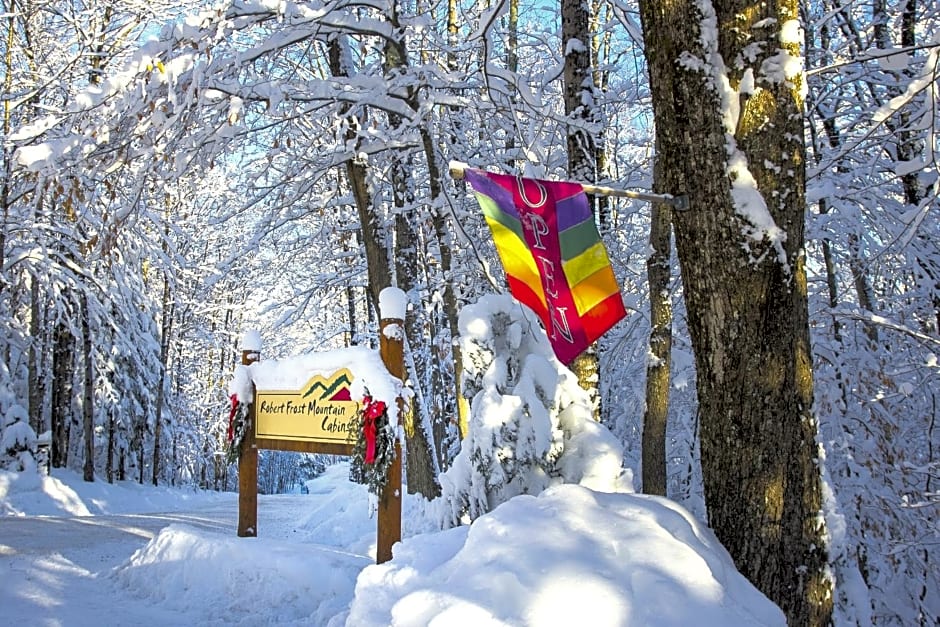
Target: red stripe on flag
point(526, 295)
point(598, 320)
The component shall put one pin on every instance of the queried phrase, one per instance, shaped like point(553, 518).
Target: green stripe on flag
point(578, 238)
point(492, 211)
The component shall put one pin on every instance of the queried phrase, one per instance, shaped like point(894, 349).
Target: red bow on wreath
point(372, 411)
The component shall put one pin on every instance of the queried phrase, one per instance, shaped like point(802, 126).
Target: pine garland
point(238, 425)
point(373, 446)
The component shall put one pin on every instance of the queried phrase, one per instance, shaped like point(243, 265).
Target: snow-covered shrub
point(17, 438)
point(530, 424)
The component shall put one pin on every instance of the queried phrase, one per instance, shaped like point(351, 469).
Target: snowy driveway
point(54, 570)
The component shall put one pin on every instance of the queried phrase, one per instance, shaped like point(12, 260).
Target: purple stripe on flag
point(487, 185)
point(572, 210)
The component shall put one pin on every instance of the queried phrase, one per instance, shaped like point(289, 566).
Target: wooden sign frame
point(388, 519)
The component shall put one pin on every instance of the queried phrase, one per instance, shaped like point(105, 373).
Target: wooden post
point(391, 348)
point(248, 461)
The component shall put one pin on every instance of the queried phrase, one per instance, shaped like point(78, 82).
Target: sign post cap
point(393, 302)
point(251, 340)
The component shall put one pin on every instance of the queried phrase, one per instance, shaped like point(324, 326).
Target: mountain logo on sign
point(336, 388)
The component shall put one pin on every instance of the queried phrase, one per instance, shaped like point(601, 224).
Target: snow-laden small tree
point(17, 438)
point(531, 425)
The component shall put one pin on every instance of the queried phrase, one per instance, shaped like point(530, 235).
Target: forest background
point(175, 174)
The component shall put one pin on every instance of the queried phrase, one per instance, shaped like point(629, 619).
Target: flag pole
point(679, 203)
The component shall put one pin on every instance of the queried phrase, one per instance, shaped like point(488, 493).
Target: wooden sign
point(321, 411)
point(318, 419)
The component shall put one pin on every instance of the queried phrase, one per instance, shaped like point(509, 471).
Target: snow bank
point(570, 556)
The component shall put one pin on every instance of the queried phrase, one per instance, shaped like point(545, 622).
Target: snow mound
point(570, 556)
point(241, 580)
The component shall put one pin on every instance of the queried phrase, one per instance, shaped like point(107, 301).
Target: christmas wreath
point(237, 428)
point(374, 445)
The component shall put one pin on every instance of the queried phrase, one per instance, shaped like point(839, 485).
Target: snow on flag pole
point(552, 254)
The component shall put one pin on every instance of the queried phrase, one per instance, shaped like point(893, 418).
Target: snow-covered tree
point(531, 423)
point(736, 78)
point(17, 438)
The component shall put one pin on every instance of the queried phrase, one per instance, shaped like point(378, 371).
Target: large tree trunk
point(745, 285)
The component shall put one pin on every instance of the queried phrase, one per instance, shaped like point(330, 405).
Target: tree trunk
point(512, 64)
point(833, 138)
point(856, 262)
point(745, 285)
point(8, 74)
point(421, 468)
point(109, 463)
point(350, 306)
point(166, 330)
point(141, 460)
point(378, 266)
point(37, 374)
point(911, 146)
point(601, 58)
point(62, 369)
point(658, 369)
point(579, 90)
point(88, 394)
point(373, 232)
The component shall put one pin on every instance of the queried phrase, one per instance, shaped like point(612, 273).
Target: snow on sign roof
point(292, 373)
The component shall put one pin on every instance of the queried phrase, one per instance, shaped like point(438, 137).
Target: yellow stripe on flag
point(516, 258)
point(595, 289)
point(586, 264)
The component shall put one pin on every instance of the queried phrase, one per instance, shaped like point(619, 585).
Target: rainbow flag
point(553, 256)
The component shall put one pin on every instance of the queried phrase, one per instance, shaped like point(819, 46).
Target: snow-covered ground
point(74, 553)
